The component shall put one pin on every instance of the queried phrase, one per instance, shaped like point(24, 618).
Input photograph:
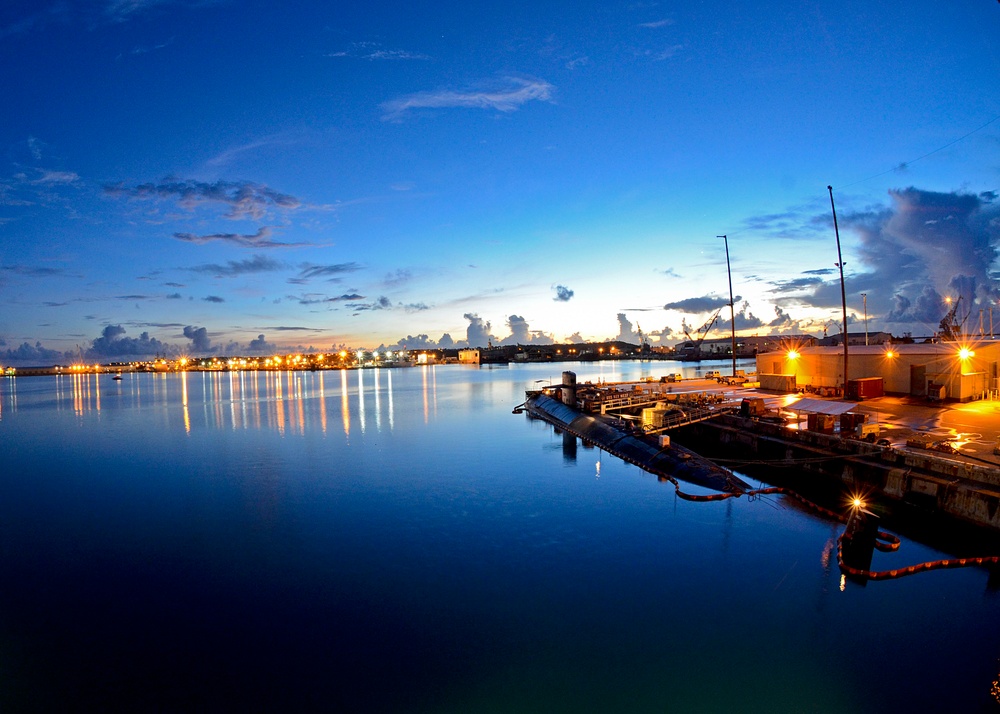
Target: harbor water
point(396, 540)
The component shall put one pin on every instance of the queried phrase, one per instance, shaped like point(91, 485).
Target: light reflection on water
point(397, 540)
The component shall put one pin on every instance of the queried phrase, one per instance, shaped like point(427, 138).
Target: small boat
point(117, 377)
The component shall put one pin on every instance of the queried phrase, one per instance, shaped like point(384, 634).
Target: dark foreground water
point(397, 540)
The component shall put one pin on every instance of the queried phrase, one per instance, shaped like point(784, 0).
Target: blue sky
point(213, 176)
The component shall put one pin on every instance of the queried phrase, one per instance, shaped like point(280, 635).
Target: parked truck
point(739, 378)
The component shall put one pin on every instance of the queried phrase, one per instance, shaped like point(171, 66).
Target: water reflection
point(287, 402)
point(345, 407)
point(290, 403)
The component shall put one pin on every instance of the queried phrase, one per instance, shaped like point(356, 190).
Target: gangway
point(683, 417)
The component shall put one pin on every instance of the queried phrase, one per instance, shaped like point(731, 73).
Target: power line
point(924, 156)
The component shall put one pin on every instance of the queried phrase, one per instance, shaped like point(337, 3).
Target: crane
point(951, 328)
point(694, 352)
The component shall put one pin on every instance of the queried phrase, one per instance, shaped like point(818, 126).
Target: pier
point(911, 464)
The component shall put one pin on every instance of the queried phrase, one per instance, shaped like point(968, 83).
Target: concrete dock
point(959, 477)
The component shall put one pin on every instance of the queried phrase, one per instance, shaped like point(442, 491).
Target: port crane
point(694, 352)
point(704, 329)
point(951, 328)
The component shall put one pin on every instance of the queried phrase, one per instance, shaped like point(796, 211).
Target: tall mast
point(732, 310)
point(843, 292)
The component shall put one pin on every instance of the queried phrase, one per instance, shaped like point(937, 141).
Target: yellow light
point(858, 503)
point(890, 354)
point(792, 354)
point(965, 353)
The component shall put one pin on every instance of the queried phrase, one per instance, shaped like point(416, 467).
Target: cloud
point(27, 355)
point(314, 299)
point(373, 51)
point(796, 285)
point(233, 268)
point(200, 341)
point(244, 199)
point(56, 177)
point(58, 12)
point(117, 11)
point(478, 331)
point(745, 320)
point(625, 331)
point(213, 298)
point(521, 334)
point(260, 239)
point(260, 346)
point(697, 305)
point(931, 238)
point(416, 342)
point(506, 96)
point(114, 343)
point(309, 270)
point(31, 271)
point(924, 245)
point(563, 294)
point(656, 24)
point(382, 303)
point(928, 308)
point(400, 277)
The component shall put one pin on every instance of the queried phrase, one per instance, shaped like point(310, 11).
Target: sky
point(195, 177)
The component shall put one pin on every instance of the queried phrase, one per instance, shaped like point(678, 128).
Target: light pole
point(843, 293)
point(732, 310)
point(864, 298)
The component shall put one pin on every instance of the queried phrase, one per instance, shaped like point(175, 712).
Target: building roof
point(916, 348)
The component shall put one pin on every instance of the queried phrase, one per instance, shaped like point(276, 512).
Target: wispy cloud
point(56, 177)
point(506, 95)
point(374, 51)
point(260, 239)
point(31, 271)
point(124, 10)
point(656, 24)
point(146, 49)
point(244, 199)
point(316, 299)
point(213, 298)
point(309, 270)
point(58, 12)
point(233, 268)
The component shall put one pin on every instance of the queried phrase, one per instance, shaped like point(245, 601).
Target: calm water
point(397, 540)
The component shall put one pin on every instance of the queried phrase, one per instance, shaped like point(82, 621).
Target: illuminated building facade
point(964, 370)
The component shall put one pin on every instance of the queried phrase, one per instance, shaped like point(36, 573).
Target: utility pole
point(843, 292)
point(732, 310)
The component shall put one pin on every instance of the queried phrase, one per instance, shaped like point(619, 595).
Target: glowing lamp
point(792, 354)
point(965, 353)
